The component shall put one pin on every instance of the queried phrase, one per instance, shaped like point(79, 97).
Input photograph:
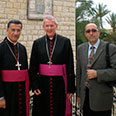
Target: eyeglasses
point(93, 30)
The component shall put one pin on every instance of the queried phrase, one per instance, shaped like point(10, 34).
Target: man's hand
point(91, 74)
point(3, 103)
point(78, 100)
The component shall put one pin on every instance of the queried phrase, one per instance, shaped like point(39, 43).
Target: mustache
point(92, 36)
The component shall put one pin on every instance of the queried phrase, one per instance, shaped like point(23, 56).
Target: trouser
point(88, 112)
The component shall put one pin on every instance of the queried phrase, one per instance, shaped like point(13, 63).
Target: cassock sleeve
point(1, 88)
point(1, 83)
point(33, 69)
point(70, 68)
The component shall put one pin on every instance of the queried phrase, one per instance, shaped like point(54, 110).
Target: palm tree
point(112, 21)
point(82, 9)
point(100, 12)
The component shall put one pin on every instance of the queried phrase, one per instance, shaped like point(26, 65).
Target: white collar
point(95, 45)
point(14, 43)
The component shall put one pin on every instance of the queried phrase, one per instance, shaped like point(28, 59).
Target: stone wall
point(63, 10)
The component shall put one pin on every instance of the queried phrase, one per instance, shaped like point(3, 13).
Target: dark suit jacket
point(100, 91)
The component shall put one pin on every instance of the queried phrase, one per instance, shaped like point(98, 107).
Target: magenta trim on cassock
point(57, 70)
point(18, 76)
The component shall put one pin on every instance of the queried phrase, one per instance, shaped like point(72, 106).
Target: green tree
point(83, 7)
point(112, 21)
point(80, 38)
point(100, 12)
point(111, 37)
point(82, 13)
point(85, 13)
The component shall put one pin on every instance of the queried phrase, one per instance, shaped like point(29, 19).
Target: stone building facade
point(63, 10)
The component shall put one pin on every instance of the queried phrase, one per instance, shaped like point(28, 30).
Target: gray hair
point(50, 17)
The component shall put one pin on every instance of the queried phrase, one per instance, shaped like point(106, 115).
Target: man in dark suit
point(94, 89)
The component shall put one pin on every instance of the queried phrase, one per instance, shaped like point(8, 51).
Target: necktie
point(91, 56)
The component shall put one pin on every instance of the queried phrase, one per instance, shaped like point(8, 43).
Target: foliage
point(100, 12)
point(103, 33)
point(82, 13)
point(86, 13)
point(80, 32)
point(112, 21)
point(82, 10)
point(111, 37)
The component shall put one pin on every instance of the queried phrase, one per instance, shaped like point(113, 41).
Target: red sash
point(57, 70)
point(18, 76)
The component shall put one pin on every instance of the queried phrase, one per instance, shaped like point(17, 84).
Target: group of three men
point(51, 73)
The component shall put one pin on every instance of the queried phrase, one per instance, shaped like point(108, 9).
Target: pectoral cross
point(18, 65)
point(49, 63)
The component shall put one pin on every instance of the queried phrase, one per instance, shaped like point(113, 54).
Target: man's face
point(92, 33)
point(50, 27)
point(13, 32)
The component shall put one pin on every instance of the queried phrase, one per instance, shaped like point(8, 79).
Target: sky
point(111, 5)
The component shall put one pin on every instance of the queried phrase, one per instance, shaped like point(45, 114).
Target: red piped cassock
point(14, 83)
point(52, 100)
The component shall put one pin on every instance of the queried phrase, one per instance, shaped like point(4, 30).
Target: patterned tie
point(91, 56)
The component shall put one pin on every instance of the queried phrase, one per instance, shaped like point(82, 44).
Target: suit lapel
point(98, 52)
point(85, 54)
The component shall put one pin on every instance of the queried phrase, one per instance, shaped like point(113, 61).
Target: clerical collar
point(14, 43)
point(51, 38)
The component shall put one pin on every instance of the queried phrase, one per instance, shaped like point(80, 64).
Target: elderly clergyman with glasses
point(94, 77)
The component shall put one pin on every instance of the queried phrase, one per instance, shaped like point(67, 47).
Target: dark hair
point(14, 22)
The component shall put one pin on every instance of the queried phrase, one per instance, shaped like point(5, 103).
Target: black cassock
point(51, 101)
point(14, 92)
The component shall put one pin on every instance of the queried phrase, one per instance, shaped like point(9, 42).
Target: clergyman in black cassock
point(49, 53)
point(13, 73)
